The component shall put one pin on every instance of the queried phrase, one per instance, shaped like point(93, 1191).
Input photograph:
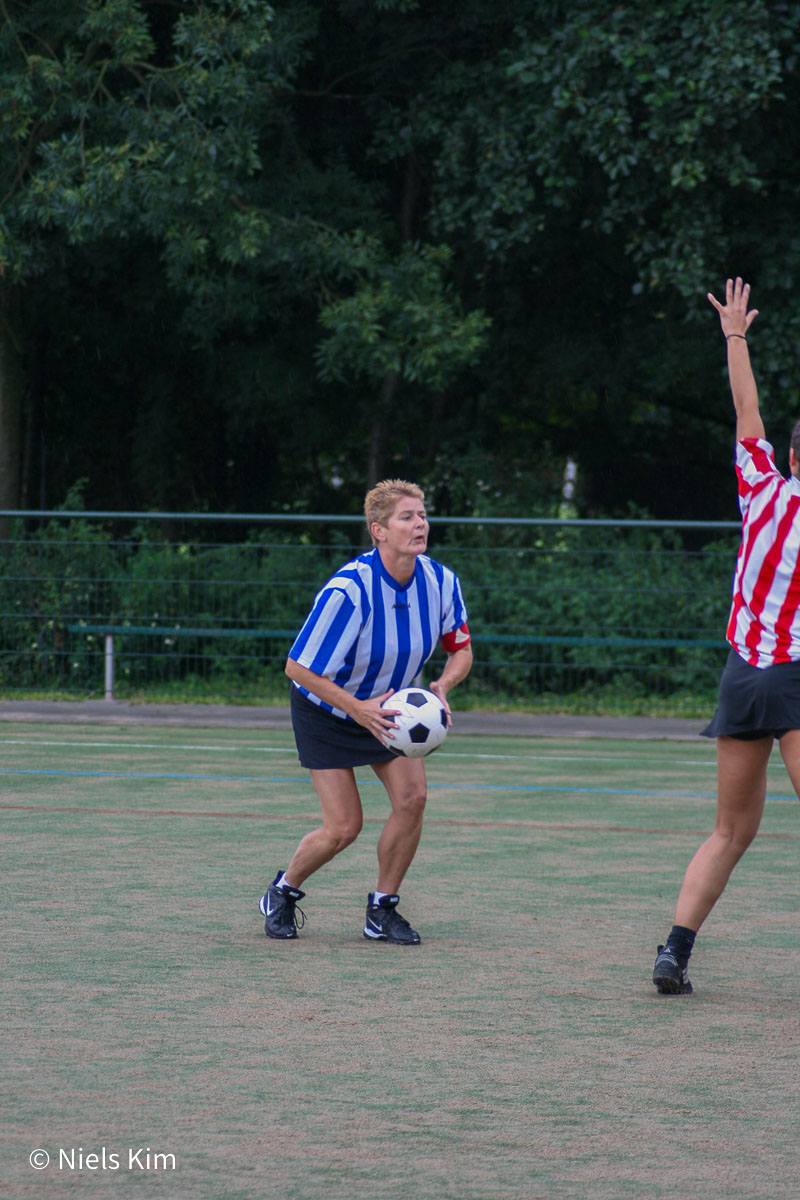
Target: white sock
point(378, 896)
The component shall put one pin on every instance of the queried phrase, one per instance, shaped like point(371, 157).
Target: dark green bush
point(561, 616)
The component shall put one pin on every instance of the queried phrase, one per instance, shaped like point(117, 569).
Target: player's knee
point(411, 804)
point(743, 839)
point(344, 834)
point(737, 838)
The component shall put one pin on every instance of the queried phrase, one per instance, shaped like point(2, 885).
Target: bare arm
point(368, 713)
point(736, 321)
point(457, 667)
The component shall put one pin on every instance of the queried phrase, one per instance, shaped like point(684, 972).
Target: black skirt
point(756, 702)
point(325, 742)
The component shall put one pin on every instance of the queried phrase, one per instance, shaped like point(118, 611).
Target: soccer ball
point(421, 722)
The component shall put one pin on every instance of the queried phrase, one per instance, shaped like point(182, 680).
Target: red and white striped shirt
point(764, 624)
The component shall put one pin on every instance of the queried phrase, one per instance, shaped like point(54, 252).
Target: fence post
point(109, 666)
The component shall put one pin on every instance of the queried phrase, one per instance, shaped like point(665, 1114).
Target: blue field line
point(462, 787)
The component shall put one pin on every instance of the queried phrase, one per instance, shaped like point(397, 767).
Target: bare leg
point(404, 780)
point(790, 753)
point(741, 792)
point(341, 823)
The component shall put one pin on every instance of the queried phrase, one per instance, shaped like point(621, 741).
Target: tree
point(402, 322)
point(382, 236)
point(600, 169)
point(166, 131)
point(121, 125)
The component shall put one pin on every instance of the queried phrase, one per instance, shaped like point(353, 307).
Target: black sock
point(680, 943)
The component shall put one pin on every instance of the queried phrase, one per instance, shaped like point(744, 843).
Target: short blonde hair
point(380, 501)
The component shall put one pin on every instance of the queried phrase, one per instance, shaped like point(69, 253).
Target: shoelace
point(294, 913)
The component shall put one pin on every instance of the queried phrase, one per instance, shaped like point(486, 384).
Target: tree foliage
point(255, 254)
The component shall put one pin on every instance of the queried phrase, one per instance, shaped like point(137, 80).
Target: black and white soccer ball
point(421, 722)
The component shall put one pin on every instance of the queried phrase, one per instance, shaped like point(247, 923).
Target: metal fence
point(565, 615)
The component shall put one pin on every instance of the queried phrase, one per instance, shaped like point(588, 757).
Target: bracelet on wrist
point(728, 336)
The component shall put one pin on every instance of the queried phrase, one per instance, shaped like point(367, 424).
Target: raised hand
point(733, 315)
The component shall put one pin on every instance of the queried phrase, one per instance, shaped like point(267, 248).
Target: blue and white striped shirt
point(368, 633)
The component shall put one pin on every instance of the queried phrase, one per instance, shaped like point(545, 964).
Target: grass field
point(521, 1052)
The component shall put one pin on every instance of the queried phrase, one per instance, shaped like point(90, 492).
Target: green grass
point(520, 1052)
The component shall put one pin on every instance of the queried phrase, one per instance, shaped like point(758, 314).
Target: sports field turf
point(520, 1052)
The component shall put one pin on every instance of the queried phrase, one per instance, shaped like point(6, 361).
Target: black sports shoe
point(384, 923)
point(278, 909)
point(670, 978)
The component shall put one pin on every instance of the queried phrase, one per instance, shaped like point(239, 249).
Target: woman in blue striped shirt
point(371, 630)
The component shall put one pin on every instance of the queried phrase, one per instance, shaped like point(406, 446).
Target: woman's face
point(406, 531)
